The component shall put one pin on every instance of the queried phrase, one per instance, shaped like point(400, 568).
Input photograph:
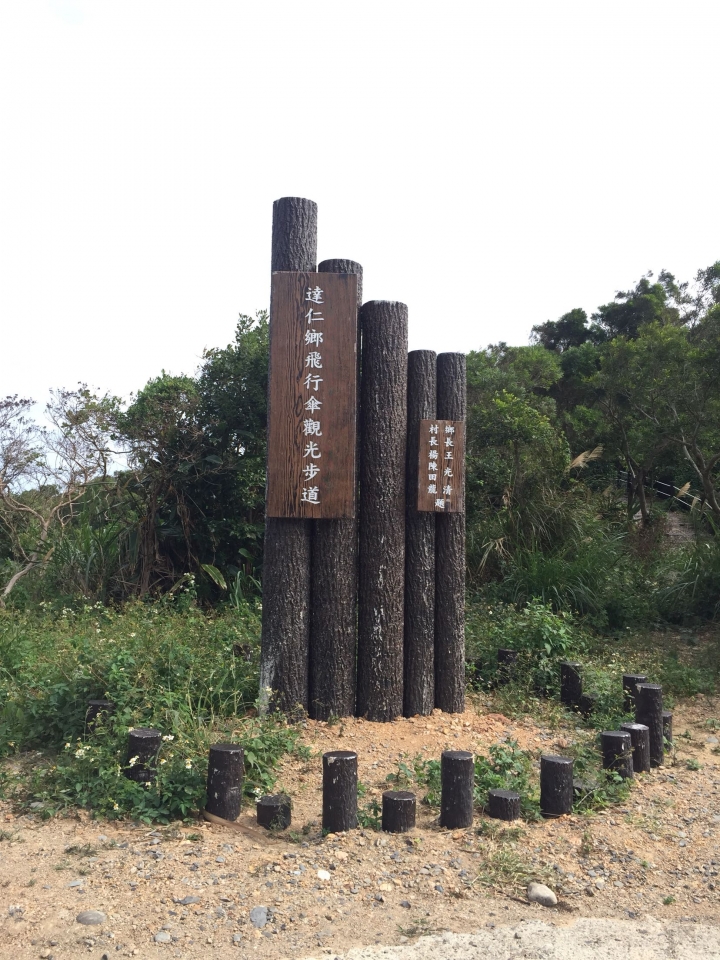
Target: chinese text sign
point(441, 467)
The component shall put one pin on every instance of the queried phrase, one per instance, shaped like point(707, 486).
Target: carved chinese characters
point(312, 395)
point(441, 468)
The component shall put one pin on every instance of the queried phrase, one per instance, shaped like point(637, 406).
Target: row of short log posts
point(284, 661)
point(334, 591)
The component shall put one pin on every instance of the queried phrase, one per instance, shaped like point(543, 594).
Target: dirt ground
point(188, 891)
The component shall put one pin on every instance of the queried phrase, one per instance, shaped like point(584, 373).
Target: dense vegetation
point(131, 541)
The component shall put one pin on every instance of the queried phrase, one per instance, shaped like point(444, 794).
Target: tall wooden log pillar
point(450, 556)
point(419, 694)
point(286, 559)
point(383, 418)
point(333, 621)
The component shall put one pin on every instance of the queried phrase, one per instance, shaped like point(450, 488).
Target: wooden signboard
point(312, 395)
point(441, 467)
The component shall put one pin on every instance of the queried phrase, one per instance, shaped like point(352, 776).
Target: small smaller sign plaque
point(441, 469)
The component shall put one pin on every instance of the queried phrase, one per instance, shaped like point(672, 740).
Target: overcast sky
point(491, 164)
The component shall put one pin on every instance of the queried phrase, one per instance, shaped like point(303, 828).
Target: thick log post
point(570, 683)
point(616, 746)
point(398, 811)
point(339, 791)
point(286, 557)
point(419, 692)
point(503, 804)
point(629, 682)
point(274, 812)
point(450, 556)
point(226, 766)
point(383, 434)
point(640, 737)
point(667, 729)
point(507, 662)
point(649, 710)
point(143, 746)
point(98, 711)
point(457, 779)
point(333, 619)
point(556, 786)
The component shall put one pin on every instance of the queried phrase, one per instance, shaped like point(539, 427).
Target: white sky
point(492, 164)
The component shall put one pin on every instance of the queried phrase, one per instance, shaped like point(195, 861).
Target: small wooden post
point(587, 704)
point(274, 812)
point(629, 682)
point(383, 436)
point(398, 811)
point(556, 785)
point(570, 683)
point(617, 754)
point(286, 558)
point(450, 556)
point(640, 737)
point(649, 710)
point(507, 661)
point(226, 766)
point(503, 804)
point(143, 746)
point(339, 791)
point(333, 616)
point(419, 693)
point(98, 710)
point(667, 729)
point(457, 779)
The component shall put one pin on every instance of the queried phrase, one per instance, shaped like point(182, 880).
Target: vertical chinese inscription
point(312, 395)
point(441, 467)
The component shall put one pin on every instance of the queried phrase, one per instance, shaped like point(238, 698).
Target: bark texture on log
point(570, 683)
point(629, 682)
point(457, 779)
point(333, 618)
point(287, 551)
point(507, 662)
point(667, 718)
point(419, 695)
point(339, 791)
point(274, 812)
point(556, 785)
point(503, 804)
point(383, 433)
point(649, 710)
point(226, 766)
point(616, 746)
point(398, 811)
point(586, 705)
point(450, 556)
point(143, 747)
point(640, 737)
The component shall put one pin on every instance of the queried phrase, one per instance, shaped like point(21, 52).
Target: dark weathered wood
point(98, 711)
point(274, 812)
point(640, 737)
point(333, 619)
point(556, 785)
point(667, 729)
point(383, 412)
point(339, 791)
point(649, 710)
point(570, 683)
point(312, 395)
point(440, 466)
point(419, 665)
point(143, 746)
point(286, 556)
point(457, 779)
point(450, 557)
point(586, 705)
point(398, 811)
point(629, 682)
point(503, 804)
point(507, 662)
point(226, 766)
point(616, 746)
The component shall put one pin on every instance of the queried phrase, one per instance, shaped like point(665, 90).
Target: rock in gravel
point(91, 918)
point(186, 901)
point(539, 893)
point(163, 937)
point(258, 917)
